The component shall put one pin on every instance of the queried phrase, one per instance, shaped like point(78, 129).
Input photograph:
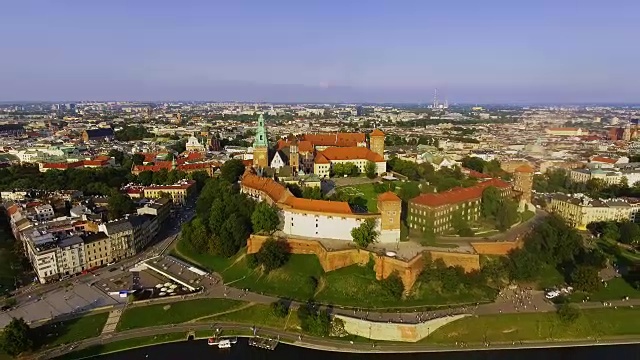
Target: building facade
point(580, 211)
point(322, 219)
point(437, 210)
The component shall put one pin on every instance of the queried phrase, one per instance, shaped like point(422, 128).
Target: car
point(113, 269)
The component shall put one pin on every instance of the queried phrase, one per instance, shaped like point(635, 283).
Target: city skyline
point(492, 52)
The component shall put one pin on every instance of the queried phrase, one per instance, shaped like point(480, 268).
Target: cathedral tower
point(261, 145)
point(376, 142)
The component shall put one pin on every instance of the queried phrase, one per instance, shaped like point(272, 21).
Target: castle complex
point(318, 153)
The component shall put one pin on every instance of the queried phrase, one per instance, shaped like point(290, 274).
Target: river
point(198, 350)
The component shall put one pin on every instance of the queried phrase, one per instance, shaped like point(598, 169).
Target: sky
point(489, 51)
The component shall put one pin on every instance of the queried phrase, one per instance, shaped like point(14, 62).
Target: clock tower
point(261, 145)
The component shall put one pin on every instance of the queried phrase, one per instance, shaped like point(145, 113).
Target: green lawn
point(616, 289)
point(364, 190)
point(293, 280)
point(70, 331)
point(548, 277)
point(9, 264)
point(539, 327)
point(121, 345)
point(354, 286)
point(260, 315)
point(526, 215)
point(357, 286)
point(173, 313)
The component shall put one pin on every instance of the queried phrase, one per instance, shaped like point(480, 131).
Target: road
point(508, 235)
point(298, 339)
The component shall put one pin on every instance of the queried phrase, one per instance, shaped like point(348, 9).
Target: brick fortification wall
point(384, 266)
point(496, 248)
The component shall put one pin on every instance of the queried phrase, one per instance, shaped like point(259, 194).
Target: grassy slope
point(173, 313)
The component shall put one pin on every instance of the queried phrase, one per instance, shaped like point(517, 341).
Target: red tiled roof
point(458, 195)
point(95, 162)
point(338, 139)
point(276, 191)
point(603, 159)
point(335, 207)
point(102, 158)
point(376, 132)
point(303, 146)
point(12, 209)
point(351, 153)
point(524, 169)
point(388, 196)
point(63, 166)
point(194, 155)
point(475, 174)
point(321, 159)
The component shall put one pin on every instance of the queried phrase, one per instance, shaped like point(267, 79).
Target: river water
point(199, 350)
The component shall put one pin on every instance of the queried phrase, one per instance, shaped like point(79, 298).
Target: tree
point(408, 191)
point(279, 309)
point(365, 234)
point(393, 285)
point(273, 254)
point(370, 169)
point(231, 170)
point(313, 320)
point(265, 218)
point(117, 155)
point(490, 203)
point(120, 204)
point(473, 163)
point(523, 265)
point(145, 178)
point(460, 224)
point(585, 278)
point(17, 337)
point(232, 235)
point(137, 159)
point(629, 232)
point(312, 192)
point(428, 235)
point(568, 312)
point(507, 214)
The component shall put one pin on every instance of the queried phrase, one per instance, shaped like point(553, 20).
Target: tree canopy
point(370, 169)
point(273, 254)
point(17, 337)
point(365, 234)
point(119, 205)
point(231, 170)
point(265, 218)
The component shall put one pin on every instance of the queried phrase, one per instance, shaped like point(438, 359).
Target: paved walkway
point(112, 321)
point(316, 343)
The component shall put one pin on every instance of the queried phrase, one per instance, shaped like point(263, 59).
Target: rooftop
point(457, 195)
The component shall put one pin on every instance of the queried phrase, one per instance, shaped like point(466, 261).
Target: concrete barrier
point(394, 331)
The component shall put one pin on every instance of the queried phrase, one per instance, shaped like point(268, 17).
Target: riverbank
point(381, 348)
point(486, 332)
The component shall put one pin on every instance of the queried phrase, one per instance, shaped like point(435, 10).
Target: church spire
point(261, 134)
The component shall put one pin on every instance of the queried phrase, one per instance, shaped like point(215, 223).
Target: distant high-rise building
point(360, 111)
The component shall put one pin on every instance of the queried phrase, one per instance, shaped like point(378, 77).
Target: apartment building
point(179, 193)
point(579, 210)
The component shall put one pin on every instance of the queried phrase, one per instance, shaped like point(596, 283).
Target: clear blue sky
point(331, 50)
